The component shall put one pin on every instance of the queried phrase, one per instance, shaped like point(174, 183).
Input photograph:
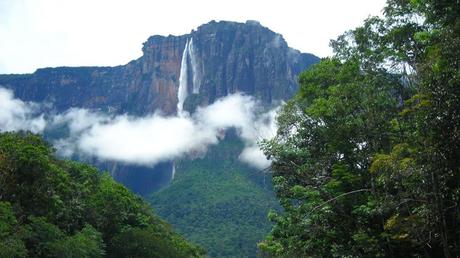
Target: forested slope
point(58, 208)
point(219, 202)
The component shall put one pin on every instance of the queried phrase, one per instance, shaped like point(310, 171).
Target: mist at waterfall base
point(146, 140)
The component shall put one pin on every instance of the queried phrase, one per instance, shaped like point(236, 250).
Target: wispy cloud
point(18, 115)
point(261, 127)
point(150, 139)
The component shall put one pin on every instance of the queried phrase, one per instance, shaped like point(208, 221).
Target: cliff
point(216, 200)
point(216, 59)
point(220, 57)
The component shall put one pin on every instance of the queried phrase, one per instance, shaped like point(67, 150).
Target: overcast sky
point(49, 33)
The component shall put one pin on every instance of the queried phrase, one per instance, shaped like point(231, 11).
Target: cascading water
point(173, 173)
point(182, 91)
point(183, 80)
point(194, 64)
point(188, 53)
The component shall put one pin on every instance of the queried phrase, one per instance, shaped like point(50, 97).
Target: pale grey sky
point(50, 33)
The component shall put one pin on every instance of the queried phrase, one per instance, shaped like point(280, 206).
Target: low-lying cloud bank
point(18, 115)
point(151, 139)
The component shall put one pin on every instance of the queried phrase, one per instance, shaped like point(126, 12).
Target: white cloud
point(141, 140)
point(146, 140)
point(261, 128)
point(149, 140)
point(232, 111)
point(253, 156)
point(18, 115)
point(79, 119)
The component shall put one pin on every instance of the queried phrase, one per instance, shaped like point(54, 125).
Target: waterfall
point(188, 53)
point(195, 72)
point(183, 80)
point(173, 173)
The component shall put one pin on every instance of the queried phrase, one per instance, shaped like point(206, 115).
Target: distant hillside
point(218, 202)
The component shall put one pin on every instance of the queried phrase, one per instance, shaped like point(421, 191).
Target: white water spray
point(183, 79)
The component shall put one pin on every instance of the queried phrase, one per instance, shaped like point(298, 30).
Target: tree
point(85, 244)
point(11, 244)
point(56, 208)
point(367, 156)
point(322, 154)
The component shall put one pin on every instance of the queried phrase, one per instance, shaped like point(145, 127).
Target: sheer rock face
point(222, 58)
point(247, 58)
point(228, 57)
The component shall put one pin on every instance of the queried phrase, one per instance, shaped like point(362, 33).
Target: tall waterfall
point(173, 173)
point(195, 71)
point(183, 80)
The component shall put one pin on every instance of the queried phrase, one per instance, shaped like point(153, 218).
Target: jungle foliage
point(367, 155)
point(58, 208)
